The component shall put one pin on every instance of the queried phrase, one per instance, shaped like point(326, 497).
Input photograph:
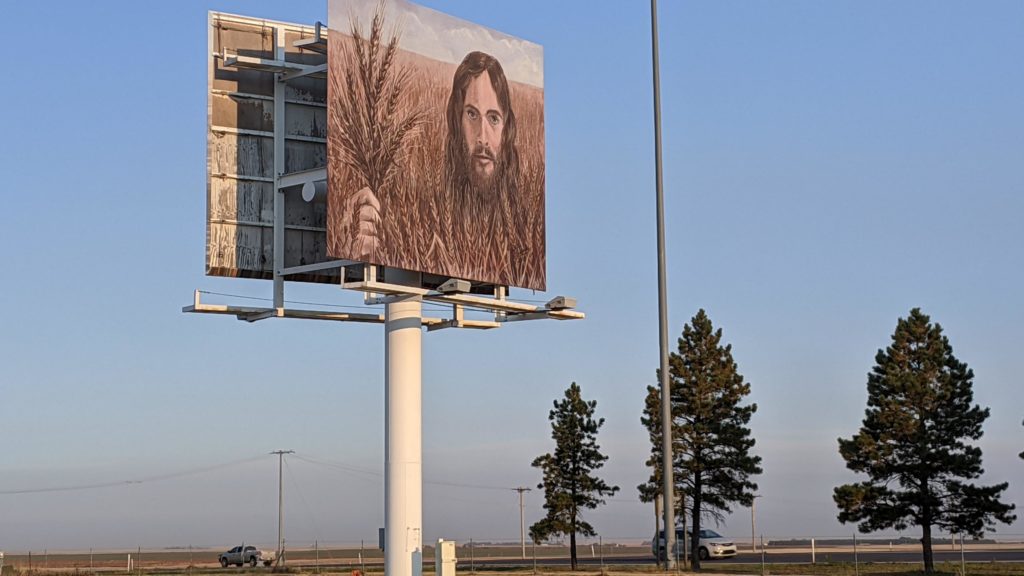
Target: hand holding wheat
point(372, 130)
point(366, 208)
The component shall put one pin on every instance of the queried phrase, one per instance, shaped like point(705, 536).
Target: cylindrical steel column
point(667, 463)
point(403, 440)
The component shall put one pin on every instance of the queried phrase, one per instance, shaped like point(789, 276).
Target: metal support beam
point(318, 71)
point(318, 43)
point(255, 314)
point(279, 136)
point(276, 65)
point(299, 178)
point(499, 305)
point(306, 268)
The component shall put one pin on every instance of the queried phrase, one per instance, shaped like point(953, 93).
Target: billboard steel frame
point(402, 296)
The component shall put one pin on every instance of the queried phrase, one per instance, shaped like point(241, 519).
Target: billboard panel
point(240, 149)
point(435, 144)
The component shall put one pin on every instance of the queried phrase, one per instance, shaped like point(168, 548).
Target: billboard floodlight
point(561, 303)
point(454, 286)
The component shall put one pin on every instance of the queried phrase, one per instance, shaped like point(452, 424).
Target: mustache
point(485, 151)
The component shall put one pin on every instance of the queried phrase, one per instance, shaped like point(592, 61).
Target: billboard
point(435, 144)
point(240, 148)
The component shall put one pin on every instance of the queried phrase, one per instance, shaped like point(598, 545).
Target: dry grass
point(417, 214)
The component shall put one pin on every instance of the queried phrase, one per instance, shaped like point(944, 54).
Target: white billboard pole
point(403, 440)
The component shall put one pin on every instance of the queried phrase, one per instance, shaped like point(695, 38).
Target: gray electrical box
point(444, 558)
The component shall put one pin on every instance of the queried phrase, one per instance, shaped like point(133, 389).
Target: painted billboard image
point(435, 144)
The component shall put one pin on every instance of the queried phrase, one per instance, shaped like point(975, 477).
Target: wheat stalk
point(376, 122)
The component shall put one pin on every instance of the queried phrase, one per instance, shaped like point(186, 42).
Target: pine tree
point(913, 443)
point(651, 491)
point(710, 438)
point(569, 484)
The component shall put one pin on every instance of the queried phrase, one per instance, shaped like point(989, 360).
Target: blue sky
point(828, 167)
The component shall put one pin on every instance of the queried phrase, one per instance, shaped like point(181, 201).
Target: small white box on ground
point(444, 558)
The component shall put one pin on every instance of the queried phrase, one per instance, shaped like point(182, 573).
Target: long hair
point(456, 155)
point(486, 234)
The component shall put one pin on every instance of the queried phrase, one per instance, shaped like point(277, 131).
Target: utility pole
point(280, 503)
point(666, 396)
point(522, 521)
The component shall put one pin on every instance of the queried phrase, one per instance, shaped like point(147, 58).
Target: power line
point(376, 473)
point(144, 480)
point(305, 503)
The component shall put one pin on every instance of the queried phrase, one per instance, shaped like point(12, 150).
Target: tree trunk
point(572, 546)
point(695, 497)
point(926, 542)
point(572, 524)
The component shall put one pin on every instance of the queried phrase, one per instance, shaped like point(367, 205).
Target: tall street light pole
point(280, 503)
point(666, 391)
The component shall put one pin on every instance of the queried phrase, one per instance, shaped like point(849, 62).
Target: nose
point(477, 127)
point(487, 133)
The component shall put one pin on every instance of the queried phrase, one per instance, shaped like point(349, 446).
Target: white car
point(712, 545)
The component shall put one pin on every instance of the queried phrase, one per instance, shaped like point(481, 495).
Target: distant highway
point(494, 557)
point(777, 557)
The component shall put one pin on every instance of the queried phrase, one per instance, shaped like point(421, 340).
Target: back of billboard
point(240, 150)
point(435, 144)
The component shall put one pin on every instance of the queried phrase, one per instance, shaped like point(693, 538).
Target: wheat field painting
point(435, 145)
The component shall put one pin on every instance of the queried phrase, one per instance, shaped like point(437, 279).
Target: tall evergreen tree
point(651, 491)
point(913, 443)
point(711, 442)
point(570, 485)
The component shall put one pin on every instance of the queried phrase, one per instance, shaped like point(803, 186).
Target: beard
point(483, 184)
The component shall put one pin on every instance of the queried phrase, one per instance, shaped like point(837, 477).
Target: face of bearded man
point(482, 125)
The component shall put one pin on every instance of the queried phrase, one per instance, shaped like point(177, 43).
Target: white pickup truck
point(250, 555)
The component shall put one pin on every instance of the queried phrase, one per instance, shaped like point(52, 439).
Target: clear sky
point(828, 167)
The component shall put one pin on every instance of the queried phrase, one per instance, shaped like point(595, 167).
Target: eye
point(494, 118)
point(472, 113)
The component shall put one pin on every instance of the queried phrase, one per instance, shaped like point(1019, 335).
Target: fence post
point(963, 564)
point(534, 545)
point(600, 545)
point(813, 561)
point(472, 557)
point(856, 562)
point(762, 554)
